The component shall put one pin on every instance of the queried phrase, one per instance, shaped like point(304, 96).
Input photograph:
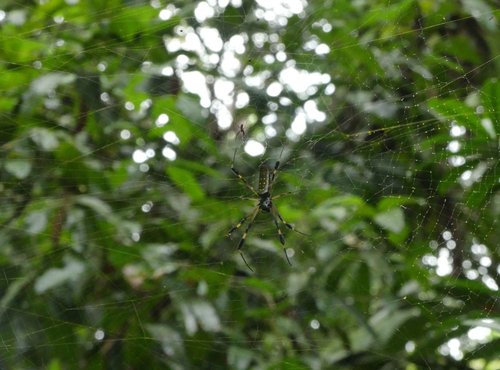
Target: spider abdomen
point(264, 180)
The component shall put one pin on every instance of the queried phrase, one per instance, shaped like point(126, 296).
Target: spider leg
point(273, 174)
point(280, 234)
point(246, 263)
point(276, 168)
point(283, 194)
point(290, 226)
point(250, 223)
point(244, 236)
point(250, 187)
point(238, 225)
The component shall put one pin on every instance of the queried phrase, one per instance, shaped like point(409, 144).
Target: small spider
point(241, 130)
point(267, 176)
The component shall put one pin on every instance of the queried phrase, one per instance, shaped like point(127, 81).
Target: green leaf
point(18, 49)
point(198, 167)
point(170, 340)
point(7, 104)
point(190, 108)
point(453, 110)
point(289, 363)
point(131, 20)
point(48, 82)
point(358, 54)
point(262, 286)
point(490, 96)
point(20, 168)
point(178, 123)
point(482, 12)
point(55, 277)
point(484, 189)
point(46, 139)
point(54, 364)
point(391, 14)
point(390, 202)
point(186, 182)
point(94, 203)
point(206, 315)
point(12, 79)
point(14, 289)
point(392, 220)
point(487, 351)
point(491, 322)
point(190, 322)
point(390, 318)
point(36, 221)
point(239, 358)
point(134, 90)
point(200, 313)
point(461, 48)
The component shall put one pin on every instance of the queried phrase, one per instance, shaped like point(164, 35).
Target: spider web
point(123, 227)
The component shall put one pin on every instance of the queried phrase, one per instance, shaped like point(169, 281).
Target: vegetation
point(119, 122)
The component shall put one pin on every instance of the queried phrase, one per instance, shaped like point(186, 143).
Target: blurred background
point(120, 121)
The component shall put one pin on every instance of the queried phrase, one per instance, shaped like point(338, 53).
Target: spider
point(265, 199)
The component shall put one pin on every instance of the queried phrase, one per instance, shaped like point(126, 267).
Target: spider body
point(265, 201)
point(267, 176)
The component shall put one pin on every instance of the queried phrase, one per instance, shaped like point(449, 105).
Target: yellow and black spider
point(264, 196)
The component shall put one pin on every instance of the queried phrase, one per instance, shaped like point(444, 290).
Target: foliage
point(114, 256)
